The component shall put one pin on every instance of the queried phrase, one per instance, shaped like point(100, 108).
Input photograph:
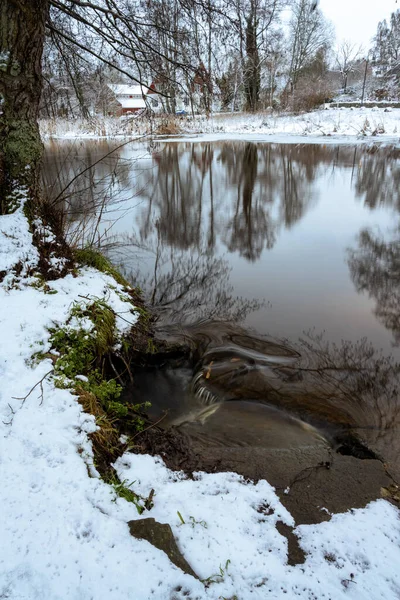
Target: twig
point(12, 418)
point(127, 367)
point(35, 386)
point(115, 370)
point(150, 426)
point(149, 500)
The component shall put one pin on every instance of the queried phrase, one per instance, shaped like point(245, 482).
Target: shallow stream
point(276, 264)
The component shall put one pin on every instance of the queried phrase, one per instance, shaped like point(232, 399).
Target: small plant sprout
point(218, 577)
point(192, 521)
point(180, 518)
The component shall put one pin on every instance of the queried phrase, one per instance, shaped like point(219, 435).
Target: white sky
point(357, 20)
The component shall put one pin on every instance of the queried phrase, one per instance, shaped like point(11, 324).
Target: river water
point(288, 237)
point(289, 240)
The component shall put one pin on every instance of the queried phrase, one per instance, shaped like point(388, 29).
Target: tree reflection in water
point(378, 177)
point(189, 286)
point(239, 193)
point(375, 263)
point(375, 269)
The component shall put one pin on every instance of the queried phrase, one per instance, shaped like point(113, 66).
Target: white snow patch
point(355, 555)
point(16, 243)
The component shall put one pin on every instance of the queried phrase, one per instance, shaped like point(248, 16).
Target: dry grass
point(105, 441)
point(167, 126)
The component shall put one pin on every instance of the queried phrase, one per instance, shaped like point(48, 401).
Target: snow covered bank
point(330, 124)
point(93, 128)
point(376, 123)
point(64, 531)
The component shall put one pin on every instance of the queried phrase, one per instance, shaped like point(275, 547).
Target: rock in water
point(160, 535)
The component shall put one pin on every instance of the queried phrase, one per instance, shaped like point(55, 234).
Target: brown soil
point(309, 482)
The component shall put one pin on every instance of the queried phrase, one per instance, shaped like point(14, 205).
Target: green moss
point(15, 68)
point(103, 319)
point(107, 391)
point(78, 350)
point(89, 334)
point(91, 258)
point(23, 150)
point(117, 409)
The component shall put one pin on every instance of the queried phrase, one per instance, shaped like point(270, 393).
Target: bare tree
point(309, 32)
point(346, 59)
point(112, 27)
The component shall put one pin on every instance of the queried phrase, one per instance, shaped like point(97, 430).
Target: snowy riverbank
point(327, 124)
point(64, 531)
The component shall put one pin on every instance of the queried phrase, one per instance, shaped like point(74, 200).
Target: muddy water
point(283, 239)
point(312, 420)
point(238, 390)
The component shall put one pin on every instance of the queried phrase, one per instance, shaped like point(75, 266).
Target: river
point(298, 244)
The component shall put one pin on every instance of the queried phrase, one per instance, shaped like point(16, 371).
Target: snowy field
point(327, 124)
point(335, 122)
point(64, 532)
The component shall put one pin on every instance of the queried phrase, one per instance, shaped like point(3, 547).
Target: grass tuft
point(92, 258)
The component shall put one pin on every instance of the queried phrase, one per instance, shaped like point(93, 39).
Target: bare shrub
point(381, 94)
point(309, 94)
point(167, 126)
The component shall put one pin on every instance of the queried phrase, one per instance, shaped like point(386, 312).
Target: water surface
point(286, 238)
point(291, 241)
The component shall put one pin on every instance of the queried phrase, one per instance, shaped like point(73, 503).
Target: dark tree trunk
point(22, 32)
point(252, 73)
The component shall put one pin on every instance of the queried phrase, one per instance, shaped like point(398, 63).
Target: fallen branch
point(33, 388)
point(150, 426)
point(12, 418)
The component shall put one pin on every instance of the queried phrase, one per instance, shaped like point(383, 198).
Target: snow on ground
point(64, 534)
point(326, 122)
point(93, 128)
point(329, 124)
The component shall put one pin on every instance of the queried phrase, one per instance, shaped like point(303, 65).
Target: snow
point(64, 532)
point(223, 523)
point(16, 244)
point(328, 124)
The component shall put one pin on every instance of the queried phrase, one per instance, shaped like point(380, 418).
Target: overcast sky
point(357, 19)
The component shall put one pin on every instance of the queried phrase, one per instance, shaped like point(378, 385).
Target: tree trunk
point(22, 32)
point(252, 73)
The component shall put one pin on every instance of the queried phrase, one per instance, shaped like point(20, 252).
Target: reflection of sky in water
point(282, 216)
point(306, 276)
